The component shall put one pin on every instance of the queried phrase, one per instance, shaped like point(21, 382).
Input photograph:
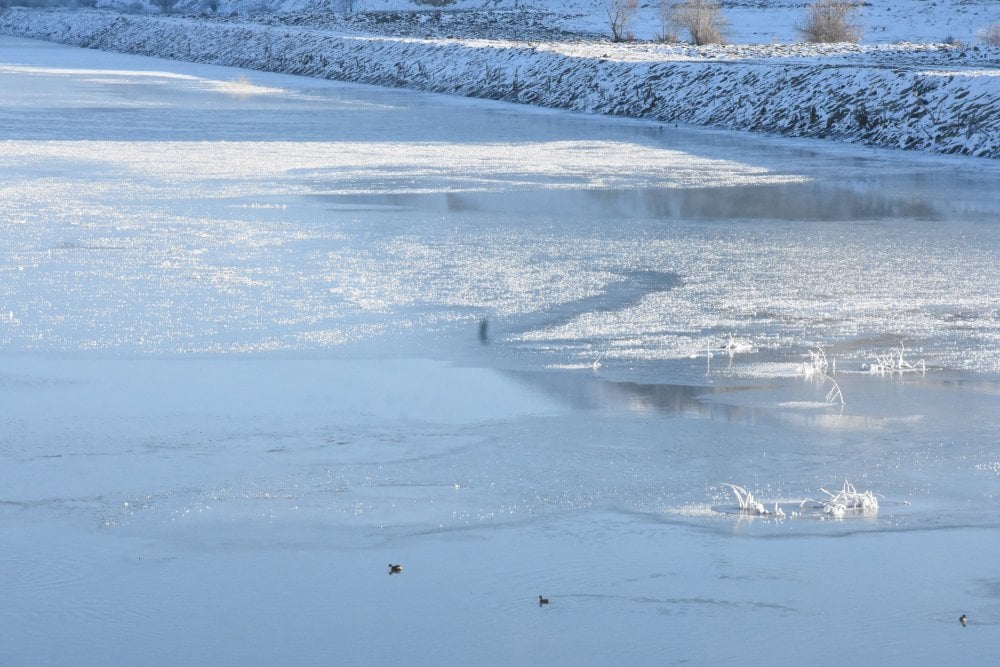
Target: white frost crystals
point(848, 501)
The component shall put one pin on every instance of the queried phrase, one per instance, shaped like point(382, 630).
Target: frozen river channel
point(261, 336)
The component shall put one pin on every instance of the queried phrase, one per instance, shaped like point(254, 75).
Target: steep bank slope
point(906, 96)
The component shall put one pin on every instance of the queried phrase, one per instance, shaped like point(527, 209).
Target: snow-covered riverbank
point(926, 97)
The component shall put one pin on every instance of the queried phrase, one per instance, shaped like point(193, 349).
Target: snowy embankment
point(925, 97)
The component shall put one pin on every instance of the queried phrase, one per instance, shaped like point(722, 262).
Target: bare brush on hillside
point(702, 20)
point(990, 35)
point(831, 21)
point(620, 14)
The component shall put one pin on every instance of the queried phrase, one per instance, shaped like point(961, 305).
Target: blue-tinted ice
point(260, 336)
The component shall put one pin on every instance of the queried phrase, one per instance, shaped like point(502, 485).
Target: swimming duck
point(395, 569)
point(963, 619)
point(542, 600)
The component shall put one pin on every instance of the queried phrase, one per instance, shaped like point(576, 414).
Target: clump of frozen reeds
point(817, 367)
point(748, 504)
point(848, 499)
point(894, 362)
point(817, 364)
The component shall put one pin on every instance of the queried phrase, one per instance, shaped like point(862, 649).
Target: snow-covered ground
point(749, 21)
point(933, 97)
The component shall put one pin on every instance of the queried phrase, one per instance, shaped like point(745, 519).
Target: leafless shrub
point(831, 21)
point(620, 14)
point(702, 20)
point(668, 34)
point(668, 30)
point(990, 35)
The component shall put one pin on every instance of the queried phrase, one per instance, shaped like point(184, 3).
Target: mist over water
point(261, 336)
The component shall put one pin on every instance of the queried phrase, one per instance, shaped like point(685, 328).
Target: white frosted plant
point(748, 504)
point(848, 499)
point(735, 345)
point(816, 368)
point(817, 364)
point(894, 362)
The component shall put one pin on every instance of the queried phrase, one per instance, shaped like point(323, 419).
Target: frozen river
point(261, 336)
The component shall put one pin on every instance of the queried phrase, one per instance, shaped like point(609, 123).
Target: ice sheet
point(253, 348)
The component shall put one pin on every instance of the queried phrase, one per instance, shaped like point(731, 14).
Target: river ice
point(242, 369)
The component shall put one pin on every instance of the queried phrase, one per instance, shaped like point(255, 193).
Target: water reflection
point(807, 202)
point(757, 403)
point(588, 391)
